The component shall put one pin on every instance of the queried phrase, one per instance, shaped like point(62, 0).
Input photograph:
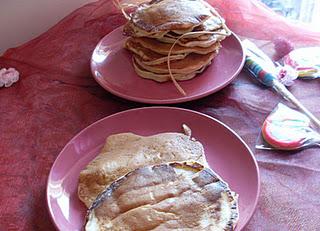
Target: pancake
point(189, 64)
point(186, 29)
point(125, 152)
point(164, 77)
point(212, 24)
point(164, 15)
point(195, 42)
point(130, 29)
point(163, 48)
point(148, 56)
point(171, 196)
point(199, 37)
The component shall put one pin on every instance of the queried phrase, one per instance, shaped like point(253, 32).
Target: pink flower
point(287, 75)
point(8, 77)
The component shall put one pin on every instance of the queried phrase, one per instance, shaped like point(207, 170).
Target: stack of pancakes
point(161, 27)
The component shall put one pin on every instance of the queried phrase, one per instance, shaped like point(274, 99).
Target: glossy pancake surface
point(174, 196)
point(125, 152)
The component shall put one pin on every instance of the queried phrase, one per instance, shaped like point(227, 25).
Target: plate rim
point(166, 101)
point(48, 205)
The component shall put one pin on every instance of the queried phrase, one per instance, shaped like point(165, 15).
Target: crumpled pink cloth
point(56, 97)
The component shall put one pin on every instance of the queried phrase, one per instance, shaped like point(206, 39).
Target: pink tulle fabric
point(57, 97)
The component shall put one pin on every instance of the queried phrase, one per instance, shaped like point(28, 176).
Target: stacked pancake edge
point(194, 26)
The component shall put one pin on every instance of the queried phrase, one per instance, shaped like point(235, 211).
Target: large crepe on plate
point(171, 196)
point(125, 152)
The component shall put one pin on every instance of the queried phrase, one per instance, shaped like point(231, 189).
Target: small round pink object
point(8, 77)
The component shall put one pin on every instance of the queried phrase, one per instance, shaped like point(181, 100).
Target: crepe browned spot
point(125, 152)
point(169, 196)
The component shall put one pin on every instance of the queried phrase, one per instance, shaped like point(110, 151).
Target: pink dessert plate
point(226, 153)
point(111, 66)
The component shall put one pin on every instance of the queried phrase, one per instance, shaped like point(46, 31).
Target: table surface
point(57, 97)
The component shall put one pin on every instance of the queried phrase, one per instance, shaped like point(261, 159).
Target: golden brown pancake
point(171, 196)
point(213, 23)
point(163, 48)
point(164, 15)
point(164, 77)
point(149, 57)
point(130, 29)
point(195, 42)
point(173, 35)
point(125, 152)
point(192, 27)
point(189, 64)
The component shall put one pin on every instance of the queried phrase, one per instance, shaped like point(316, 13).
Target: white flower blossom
point(8, 77)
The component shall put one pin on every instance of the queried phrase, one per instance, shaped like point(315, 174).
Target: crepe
point(125, 152)
point(164, 48)
point(164, 15)
point(174, 196)
point(189, 64)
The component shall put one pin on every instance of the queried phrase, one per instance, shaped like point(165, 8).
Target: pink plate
point(111, 66)
point(226, 153)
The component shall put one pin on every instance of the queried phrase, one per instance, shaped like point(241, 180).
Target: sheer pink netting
point(254, 20)
point(56, 97)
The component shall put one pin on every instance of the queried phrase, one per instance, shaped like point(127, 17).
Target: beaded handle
point(258, 72)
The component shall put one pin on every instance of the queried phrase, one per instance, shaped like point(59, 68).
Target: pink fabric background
point(56, 97)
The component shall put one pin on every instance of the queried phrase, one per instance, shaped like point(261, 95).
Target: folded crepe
point(171, 196)
point(125, 152)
